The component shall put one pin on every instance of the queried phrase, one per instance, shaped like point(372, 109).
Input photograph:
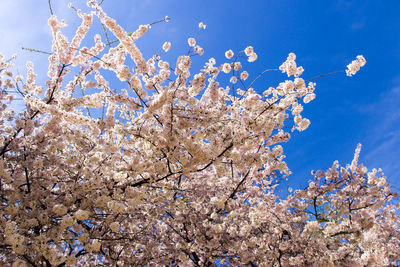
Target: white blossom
point(355, 65)
point(229, 54)
point(191, 42)
point(249, 51)
point(226, 67)
point(202, 26)
point(244, 75)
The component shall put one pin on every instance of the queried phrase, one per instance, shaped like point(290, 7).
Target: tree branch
point(51, 10)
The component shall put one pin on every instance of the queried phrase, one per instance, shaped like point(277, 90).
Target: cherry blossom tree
point(174, 169)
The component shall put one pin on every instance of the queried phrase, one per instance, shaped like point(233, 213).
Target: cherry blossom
point(177, 167)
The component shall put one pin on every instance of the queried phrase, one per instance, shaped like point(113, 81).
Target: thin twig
point(35, 50)
point(73, 8)
point(258, 77)
point(80, 50)
point(269, 106)
point(166, 19)
point(105, 32)
point(51, 10)
point(83, 94)
point(236, 188)
point(323, 75)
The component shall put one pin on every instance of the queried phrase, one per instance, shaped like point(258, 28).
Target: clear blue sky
point(325, 35)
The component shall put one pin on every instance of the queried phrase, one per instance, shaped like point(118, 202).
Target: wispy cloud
point(342, 5)
point(358, 25)
point(383, 137)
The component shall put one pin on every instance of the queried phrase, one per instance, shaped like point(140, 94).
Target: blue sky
point(325, 35)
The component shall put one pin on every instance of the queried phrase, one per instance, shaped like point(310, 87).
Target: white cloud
point(383, 137)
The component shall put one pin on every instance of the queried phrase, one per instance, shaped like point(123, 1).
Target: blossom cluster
point(355, 65)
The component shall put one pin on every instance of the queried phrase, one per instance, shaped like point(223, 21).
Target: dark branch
point(51, 10)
